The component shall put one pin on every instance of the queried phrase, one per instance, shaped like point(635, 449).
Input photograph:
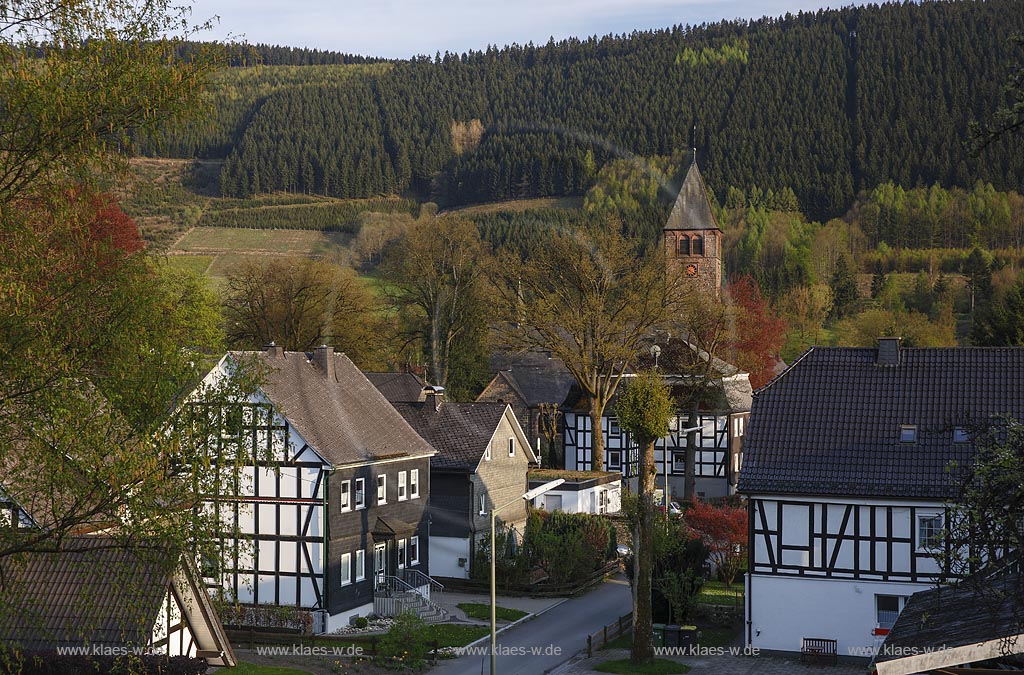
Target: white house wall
point(276, 510)
point(785, 609)
point(171, 634)
point(583, 501)
point(445, 553)
point(621, 453)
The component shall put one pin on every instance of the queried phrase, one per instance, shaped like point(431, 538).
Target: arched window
point(684, 245)
point(698, 245)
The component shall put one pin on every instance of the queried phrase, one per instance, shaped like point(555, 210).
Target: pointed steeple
point(692, 210)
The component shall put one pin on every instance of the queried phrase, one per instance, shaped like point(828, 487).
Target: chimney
point(434, 396)
point(323, 358)
point(273, 351)
point(888, 351)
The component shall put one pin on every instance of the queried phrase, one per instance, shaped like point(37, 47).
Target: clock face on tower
point(691, 270)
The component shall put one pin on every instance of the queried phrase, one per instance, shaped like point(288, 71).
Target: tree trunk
point(690, 482)
point(643, 558)
point(596, 415)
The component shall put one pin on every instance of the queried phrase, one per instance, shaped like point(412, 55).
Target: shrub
point(361, 622)
point(406, 645)
point(51, 663)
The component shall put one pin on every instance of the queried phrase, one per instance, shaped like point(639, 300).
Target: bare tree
point(588, 297)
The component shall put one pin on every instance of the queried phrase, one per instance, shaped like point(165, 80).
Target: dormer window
point(908, 433)
point(960, 435)
point(684, 245)
point(698, 245)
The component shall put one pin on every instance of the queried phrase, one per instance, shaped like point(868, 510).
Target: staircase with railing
point(395, 595)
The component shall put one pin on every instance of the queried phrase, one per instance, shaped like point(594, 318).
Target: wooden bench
point(819, 650)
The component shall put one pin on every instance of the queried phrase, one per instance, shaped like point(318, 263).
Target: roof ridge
point(790, 367)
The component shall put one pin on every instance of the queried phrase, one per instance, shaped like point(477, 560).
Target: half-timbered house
point(482, 461)
point(331, 509)
point(722, 420)
point(849, 464)
point(110, 597)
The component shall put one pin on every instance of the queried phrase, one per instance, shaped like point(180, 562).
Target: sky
point(405, 28)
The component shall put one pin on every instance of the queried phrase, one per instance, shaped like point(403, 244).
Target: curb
point(515, 623)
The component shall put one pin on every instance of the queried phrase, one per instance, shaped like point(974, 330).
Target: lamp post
point(532, 494)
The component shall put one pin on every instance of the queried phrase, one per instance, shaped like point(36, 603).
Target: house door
point(380, 562)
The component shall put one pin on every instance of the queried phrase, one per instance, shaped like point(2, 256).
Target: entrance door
point(380, 562)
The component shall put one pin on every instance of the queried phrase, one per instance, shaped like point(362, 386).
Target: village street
point(543, 643)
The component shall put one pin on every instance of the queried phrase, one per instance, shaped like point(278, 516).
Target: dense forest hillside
point(826, 103)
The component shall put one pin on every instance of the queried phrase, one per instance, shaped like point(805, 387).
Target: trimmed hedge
point(52, 663)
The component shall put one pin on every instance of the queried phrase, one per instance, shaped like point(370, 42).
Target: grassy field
point(217, 240)
point(245, 668)
point(656, 667)
point(515, 205)
point(194, 263)
point(715, 593)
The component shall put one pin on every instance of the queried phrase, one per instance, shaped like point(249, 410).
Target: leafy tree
point(916, 329)
point(759, 332)
point(844, 288)
point(589, 298)
point(301, 304)
point(724, 531)
point(984, 528)
point(806, 308)
point(436, 276)
point(644, 409)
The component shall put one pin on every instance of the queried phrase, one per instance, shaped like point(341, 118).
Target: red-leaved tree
point(759, 333)
point(724, 531)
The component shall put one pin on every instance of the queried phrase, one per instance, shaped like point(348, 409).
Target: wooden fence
point(613, 630)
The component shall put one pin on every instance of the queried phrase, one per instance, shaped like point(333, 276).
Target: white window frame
point(346, 569)
point(402, 491)
point(930, 543)
point(901, 603)
point(414, 545)
point(346, 496)
point(414, 484)
point(402, 554)
point(512, 446)
point(359, 493)
point(382, 489)
point(360, 564)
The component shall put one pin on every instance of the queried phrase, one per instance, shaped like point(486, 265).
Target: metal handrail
point(394, 584)
point(421, 579)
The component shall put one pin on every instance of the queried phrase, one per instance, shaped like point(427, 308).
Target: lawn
point(715, 593)
point(522, 205)
point(455, 634)
point(244, 668)
point(709, 637)
point(476, 610)
point(656, 667)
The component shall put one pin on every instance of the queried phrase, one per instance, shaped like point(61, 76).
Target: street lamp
point(655, 352)
point(532, 494)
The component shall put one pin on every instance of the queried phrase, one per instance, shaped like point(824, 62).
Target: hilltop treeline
point(244, 54)
point(826, 103)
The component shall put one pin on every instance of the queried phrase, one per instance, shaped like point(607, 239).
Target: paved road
point(542, 643)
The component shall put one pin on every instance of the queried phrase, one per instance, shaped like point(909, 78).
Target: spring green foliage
point(715, 56)
point(645, 407)
point(406, 645)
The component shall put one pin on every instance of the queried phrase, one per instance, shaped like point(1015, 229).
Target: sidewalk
point(450, 600)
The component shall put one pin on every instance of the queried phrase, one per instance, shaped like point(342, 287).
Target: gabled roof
point(534, 375)
point(398, 387)
point(830, 423)
point(344, 417)
point(978, 619)
point(692, 210)
point(459, 431)
point(98, 591)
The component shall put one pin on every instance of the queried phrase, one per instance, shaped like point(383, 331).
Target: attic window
point(684, 245)
point(960, 435)
point(698, 245)
point(908, 433)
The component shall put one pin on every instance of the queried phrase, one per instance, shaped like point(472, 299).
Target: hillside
point(826, 103)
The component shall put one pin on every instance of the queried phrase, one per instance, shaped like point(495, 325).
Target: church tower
point(692, 238)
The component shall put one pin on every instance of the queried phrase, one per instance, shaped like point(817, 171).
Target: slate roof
point(534, 375)
point(971, 612)
point(830, 423)
point(692, 210)
point(459, 431)
point(398, 387)
point(83, 594)
point(345, 418)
